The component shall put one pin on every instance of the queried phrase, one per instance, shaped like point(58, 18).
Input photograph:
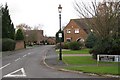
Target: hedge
point(8, 44)
point(74, 45)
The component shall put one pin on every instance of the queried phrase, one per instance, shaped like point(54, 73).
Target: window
point(76, 31)
point(68, 31)
point(68, 39)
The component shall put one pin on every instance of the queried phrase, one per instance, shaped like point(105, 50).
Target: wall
point(51, 41)
point(19, 45)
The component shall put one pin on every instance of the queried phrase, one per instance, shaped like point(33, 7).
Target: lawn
point(76, 60)
point(82, 51)
point(83, 60)
point(87, 64)
point(96, 69)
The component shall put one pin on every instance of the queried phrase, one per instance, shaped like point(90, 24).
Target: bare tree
point(38, 27)
point(102, 17)
point(23, 27)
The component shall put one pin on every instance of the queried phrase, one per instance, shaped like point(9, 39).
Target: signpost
point(108, 58)
point(60, 35)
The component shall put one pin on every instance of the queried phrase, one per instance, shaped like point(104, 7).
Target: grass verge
point(82, 51)
point(97, 69)
point(87, 64)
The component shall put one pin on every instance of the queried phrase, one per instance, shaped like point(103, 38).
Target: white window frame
point(77, 31)
point(68, 39)
point(68, 31)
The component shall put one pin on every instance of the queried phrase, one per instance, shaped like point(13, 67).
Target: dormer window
point(68, 31)
point(76, 31)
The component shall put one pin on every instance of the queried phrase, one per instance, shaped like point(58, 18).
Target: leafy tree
point(90, 41)
point(19, 35)
point(8, 30)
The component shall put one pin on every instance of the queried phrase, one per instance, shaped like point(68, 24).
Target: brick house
point(76, 30)
point(34, 36)
point(50, 40)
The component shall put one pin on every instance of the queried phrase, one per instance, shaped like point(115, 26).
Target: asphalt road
point(29, 64)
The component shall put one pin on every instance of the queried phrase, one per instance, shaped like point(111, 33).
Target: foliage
point(90, 41)
point(0, 21)
point(58, 45)
point(108, 46)
point(74, 46)
point(66, 45)
point(105, 22)
point(8, 30)
point(19, 35)
point(70, 45)
point(8, 44)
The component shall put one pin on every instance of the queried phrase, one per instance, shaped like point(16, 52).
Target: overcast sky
point(44, 12)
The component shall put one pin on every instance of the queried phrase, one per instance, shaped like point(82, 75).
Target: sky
point(42, 12)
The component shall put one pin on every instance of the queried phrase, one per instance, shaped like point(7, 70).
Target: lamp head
point(59, 9)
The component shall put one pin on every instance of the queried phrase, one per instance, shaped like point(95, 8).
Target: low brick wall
point(19, 45)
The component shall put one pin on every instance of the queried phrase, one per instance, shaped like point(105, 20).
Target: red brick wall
point(51, 41)
point(19, 45)
point(72, 26)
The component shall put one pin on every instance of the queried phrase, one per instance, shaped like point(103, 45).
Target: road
point(29, 64)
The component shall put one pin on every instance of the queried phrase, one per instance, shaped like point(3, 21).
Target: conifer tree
point(0, 22)
point(90, 41)
point(8, 30)
point(19, 35)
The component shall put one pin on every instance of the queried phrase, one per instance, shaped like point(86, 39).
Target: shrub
point(8, 44)
point(90, 41)
point(66, 45)
point(19, 35)
point(108, 46)
point(58, 45)
point(70, 45)
point(74, 46)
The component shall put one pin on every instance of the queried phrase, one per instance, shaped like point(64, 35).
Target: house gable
point(74, 30)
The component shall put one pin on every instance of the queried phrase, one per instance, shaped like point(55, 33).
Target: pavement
point(52, 59)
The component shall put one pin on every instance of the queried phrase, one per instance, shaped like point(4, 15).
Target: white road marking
point(12, 74)
point(29, 53)
point(5, 66)
point(25, 55)
point(17, 59)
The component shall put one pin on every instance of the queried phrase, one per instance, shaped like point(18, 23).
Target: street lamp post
point(60, 34)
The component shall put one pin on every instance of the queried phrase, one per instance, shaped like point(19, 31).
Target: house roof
point(82, 24)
